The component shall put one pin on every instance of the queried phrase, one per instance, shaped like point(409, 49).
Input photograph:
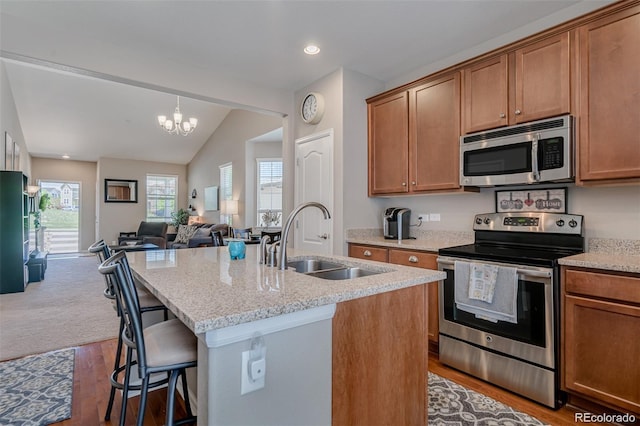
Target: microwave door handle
point(534, 158)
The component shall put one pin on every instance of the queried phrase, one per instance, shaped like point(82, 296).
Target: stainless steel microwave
point(535, 152)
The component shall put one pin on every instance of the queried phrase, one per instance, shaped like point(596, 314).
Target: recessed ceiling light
point(312, 49)
point(66, 156)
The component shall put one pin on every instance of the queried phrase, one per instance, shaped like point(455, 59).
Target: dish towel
point(504, 304)
point(482, 281)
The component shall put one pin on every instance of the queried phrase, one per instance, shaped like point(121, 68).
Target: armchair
point(148, 233)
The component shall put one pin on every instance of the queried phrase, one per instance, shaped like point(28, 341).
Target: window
point(162, 197)
point(269, 188)
point(226, 191)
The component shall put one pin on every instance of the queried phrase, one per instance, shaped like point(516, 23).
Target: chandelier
point(178, 126)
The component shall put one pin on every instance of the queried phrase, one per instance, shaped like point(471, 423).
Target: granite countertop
point(608, 254)
point(208, 291)
point(425, 240)
point(605, 261)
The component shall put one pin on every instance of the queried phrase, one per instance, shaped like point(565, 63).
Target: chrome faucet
point(285, 230)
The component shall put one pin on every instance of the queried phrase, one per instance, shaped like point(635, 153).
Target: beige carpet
point(66, 309)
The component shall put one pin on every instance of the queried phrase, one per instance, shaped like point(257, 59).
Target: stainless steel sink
point(342, 273)
point(311, 265)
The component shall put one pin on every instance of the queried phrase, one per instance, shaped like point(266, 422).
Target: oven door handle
point(520, 271)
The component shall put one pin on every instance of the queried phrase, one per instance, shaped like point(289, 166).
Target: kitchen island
point(336, 351)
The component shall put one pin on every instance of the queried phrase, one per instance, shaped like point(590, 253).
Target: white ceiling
point(259, 42)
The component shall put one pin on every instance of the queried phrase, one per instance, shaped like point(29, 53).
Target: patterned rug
point(37, 390)
point(451, 404)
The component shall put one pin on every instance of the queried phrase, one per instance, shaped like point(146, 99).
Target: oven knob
point(487, 221)
point(560, 222)
point(479, 220)
point(573, 223)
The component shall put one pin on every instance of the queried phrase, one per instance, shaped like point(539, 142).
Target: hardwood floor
point(93, 365)
point(94, 362)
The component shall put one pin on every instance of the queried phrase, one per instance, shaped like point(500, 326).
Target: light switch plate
point(434, 217)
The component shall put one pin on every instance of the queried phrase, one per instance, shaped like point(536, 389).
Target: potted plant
point(180, 217)
point(45, 201)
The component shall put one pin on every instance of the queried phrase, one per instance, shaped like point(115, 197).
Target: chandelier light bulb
point(183, 128)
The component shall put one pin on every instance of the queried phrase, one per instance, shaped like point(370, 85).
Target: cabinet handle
point(404, 183)
point(413, 182)
point(367, 253)
point(503, 115)
point(413, 259)
point(518, 112)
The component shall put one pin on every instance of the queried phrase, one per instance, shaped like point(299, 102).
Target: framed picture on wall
point(8, 151)
point(211, 198)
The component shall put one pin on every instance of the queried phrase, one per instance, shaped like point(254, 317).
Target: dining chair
point(148, 303)
point(165, 347)
point(217, 238)
point(273, 235)
point(244, 233)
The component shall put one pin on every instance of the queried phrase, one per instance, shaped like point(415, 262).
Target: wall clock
point(312, 108)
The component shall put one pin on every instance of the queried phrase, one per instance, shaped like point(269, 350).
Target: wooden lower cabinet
point(601, 337)
point(415, 258)
point(379, 359)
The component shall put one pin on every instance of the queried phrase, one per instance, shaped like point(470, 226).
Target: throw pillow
point(184, 233)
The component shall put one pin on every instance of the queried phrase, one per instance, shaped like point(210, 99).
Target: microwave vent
point(516, 130)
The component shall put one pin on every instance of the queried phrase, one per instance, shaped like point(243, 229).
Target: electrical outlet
point(252, 374)
point(434, 217)
point(423, 217)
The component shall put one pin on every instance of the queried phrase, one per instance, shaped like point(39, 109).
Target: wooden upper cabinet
point(485, 95)
point(388, 121)
point(542, 81)
point(434, 135)
point(609, 92)
point(531, 83)
point(414, 139)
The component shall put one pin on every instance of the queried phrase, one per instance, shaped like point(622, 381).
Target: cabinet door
point(601, 351)
point(542, 79)
point(389, 144)
point(485, 95)
point(434, 135)
point(609, 144)
point(427, 261)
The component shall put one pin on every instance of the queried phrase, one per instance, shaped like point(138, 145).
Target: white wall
point(10, 123)
point(113, 218)
point(228, 144)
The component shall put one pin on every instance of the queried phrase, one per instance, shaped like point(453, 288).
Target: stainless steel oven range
point(499, 305)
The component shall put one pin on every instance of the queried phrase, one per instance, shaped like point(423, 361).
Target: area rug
point(451, 404)
point(64, 310)
point(37, 390)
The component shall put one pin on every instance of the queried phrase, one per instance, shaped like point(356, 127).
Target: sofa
point(197, 235)
point(147, 233)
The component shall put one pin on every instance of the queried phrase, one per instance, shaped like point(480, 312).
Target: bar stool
point(148, 303)
point(166, 347)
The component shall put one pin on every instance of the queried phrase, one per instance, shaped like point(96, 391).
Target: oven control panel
point(559, 223)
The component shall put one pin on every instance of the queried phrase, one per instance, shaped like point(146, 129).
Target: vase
point(237, 249)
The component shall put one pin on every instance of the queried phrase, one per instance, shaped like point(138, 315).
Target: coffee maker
point(395, 222)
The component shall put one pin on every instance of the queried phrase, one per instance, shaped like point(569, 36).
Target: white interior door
point(314, 182)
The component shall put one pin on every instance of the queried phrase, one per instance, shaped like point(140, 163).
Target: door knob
point(518, 112)
point(324, 236)
point(502, 115)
